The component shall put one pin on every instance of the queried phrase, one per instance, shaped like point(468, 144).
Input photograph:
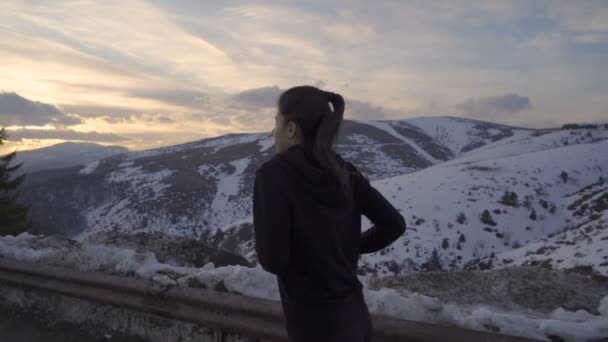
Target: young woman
point(307, 207)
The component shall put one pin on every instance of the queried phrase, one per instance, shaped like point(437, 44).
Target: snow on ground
point(453, 133)
point(529, 142)
point(446, 131)
point(229, 185)
point(126, 164)
point(144, 186)
point(255, 282)
point(584, 241)
point(563, 255)
point(361, 139)
point(231, 139)
point(433, 198)
point(266, 143)
point(141, 182)
point(390, 130)
point(377, 161)
point(89, 168)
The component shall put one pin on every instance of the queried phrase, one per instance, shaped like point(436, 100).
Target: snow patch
point(266, 144)
point(141, 181)
point(386, 127)
point(89, 168)
point(255, 282)
point(125, 164)
point(229, 139)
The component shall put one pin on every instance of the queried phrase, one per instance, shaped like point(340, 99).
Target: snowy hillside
point(461, 135)
point(582, 244)
point(502, 197)
point(195, 188)
point(502, 201)
point(499, 202)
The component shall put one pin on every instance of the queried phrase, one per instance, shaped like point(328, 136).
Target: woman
point(307, 206)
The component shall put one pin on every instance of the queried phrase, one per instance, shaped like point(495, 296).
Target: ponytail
point(327, 134)
point(310, 108)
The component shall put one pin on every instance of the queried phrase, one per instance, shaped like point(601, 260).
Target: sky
point(144, 74)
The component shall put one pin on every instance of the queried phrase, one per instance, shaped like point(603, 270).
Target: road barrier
point(223, 312)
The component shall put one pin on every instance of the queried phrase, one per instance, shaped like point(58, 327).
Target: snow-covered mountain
point(581, 244)
point(189, 189)
point(470, 191)
point(65, 155)
point(504, 198)
point(535, 198)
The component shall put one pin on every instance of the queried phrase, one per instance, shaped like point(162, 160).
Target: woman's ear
point(292, 129)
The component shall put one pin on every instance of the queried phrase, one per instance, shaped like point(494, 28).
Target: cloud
point(444, 53)
point(94, 111)
point(365, 111)
point(16, 110)
point(222, 119)
point(183, 98)
point(64, 134)
point(263, 97)
point(495, 106)
point(165, 119)
point(320, 84)
point(116, 120)
point(119, 115)
point(266, 97)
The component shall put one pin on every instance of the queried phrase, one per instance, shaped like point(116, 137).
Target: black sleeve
point(271, 221)
point(388, 223)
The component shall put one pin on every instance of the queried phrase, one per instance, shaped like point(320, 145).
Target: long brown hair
point(308, 106)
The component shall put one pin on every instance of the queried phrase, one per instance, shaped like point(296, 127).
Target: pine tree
point(564, 176)
point(13, 217)
point(433, 263)
point(510, 198)
point(461, 218)
point(462, 238)
point(487, 218)
point(513, 199)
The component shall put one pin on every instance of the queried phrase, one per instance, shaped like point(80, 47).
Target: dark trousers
point(346, 319)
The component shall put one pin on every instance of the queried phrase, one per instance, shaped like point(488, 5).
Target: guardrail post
point(218, 335)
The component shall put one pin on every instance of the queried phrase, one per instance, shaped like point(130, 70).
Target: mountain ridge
point(202, 189)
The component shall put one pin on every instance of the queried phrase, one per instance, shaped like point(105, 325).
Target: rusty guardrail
point(223, 312)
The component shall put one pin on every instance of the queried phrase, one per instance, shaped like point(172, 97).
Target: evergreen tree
point(462, 239)
point(533, 215)
point(510, 198)
point(13, 217)
point(514, 200)
point(564, 176)
point(487, 218)
point(433, 263)
point(461, 218)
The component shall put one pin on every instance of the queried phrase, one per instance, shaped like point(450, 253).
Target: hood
point(309, 177)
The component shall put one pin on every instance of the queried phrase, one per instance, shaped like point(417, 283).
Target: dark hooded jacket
point(308, 233)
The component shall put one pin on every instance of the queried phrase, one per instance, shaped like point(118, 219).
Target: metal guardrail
point(223, 312)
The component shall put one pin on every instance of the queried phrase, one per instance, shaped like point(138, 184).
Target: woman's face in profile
point(278, 134)
point(283, 134)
